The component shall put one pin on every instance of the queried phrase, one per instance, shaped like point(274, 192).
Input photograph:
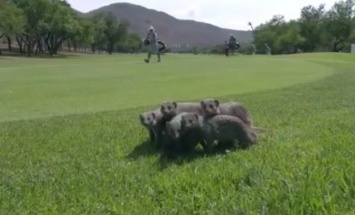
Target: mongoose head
point(168, 108)
point(148, 118)
point(173, 130)
point(210, 107)
point(189, 120)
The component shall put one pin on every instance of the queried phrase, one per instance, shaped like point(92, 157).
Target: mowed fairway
point(71, 142)
point(36, 88)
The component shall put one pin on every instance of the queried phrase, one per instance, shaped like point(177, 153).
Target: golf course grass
point(71, 142)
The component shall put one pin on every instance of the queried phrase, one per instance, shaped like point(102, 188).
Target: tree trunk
point(58, 44)
point(19, 42)
point(69, 46)
point(9, 43)
point(336, 43)
point(29, 45)
point(40, 45)
point(75, 44)
point(0, 47)
point(110, 48)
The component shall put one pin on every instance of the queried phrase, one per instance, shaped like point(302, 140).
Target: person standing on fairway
point(253, 50)
point(232, 43)
point(152, 40)
point(268, 49)
point(226, 48)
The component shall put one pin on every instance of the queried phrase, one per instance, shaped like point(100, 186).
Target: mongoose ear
point(196, 116)
point(202, 103)
point(162, 107)
point(153, 115)
point(175, 104)
point(182, 120)
point(216, 101)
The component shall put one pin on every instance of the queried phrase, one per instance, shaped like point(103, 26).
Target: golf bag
point(163, 46)
point(237, 45)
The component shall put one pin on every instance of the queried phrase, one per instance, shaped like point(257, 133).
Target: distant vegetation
point(43, 26)
point(316, 30)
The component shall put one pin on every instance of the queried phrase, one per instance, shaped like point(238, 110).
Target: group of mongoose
point(183, 125)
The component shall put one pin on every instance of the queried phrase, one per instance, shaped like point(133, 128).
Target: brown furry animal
point(212, 107)
point(150, 121)
point(173, 127)
point(221, 128)
point(183, 140)
point(170, 109)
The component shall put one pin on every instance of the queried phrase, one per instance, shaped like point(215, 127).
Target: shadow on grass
point(146, 148)
point(171, 155)
point(39, 56)
point(172, 158)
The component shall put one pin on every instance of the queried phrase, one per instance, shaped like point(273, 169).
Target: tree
point(281, 36)
point(34, 12)
point(339, 23)
point(59, 25)
point(41, 26)
point(130, 43)
point(311, 26)
point(316, 29)
point(12, 20)
point(114, 31)
point(290, 39)
point(85, 36)
point(269, 32)
point(99, 27)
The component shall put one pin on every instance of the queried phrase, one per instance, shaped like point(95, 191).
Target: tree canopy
point(45, 26)
point(49, 26)
point(315, 30)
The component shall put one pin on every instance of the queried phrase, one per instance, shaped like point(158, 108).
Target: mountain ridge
point(170, 29)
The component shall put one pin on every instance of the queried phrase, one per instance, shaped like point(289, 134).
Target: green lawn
point(71, 143)
point(37, 88)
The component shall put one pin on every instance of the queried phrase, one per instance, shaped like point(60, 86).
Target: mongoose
point(170, 109)
point(222, 128)
point(212, 107)
point(150, 120)
point(183, 140)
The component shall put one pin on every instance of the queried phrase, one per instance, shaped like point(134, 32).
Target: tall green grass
point(71, 142)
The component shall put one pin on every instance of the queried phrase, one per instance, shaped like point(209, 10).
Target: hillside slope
point(171, 30)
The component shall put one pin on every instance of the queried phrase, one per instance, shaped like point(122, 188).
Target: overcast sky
point(233, 14)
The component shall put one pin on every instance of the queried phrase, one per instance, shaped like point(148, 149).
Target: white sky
point(233, 14)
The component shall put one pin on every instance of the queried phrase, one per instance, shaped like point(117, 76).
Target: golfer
point(152, 43)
